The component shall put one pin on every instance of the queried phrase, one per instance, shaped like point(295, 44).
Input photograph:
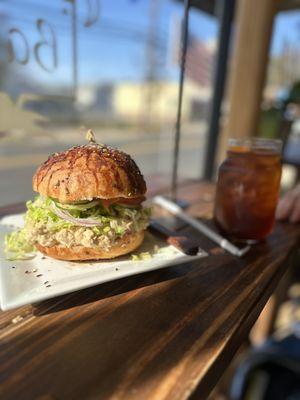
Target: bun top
point(87, 172)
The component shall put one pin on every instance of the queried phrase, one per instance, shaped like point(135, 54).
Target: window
point(70, 65)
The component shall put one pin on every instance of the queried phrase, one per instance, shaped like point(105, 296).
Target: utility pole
point(151, 59)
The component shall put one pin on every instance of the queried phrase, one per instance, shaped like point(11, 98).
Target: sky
point(286, 27)
point(113, 48)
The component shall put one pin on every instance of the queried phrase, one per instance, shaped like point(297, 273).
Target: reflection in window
point(68, 65)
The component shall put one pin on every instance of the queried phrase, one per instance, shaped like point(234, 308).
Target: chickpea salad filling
point(91, 224)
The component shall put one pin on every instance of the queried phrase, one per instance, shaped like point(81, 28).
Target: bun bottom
point(124, 245)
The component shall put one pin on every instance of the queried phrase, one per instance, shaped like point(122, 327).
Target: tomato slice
point(123, 201)
point(134, 201)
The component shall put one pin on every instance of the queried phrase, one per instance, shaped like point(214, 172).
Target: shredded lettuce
point(115, 218)
point(17, 246)
point(144, 256)
point(114, 222)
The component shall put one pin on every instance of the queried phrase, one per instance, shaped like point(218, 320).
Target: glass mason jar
point(248, 188)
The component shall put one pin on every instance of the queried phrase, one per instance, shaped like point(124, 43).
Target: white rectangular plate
point(29, 281)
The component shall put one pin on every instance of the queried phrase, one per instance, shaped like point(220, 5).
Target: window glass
point(70, 65)
point(283, 74)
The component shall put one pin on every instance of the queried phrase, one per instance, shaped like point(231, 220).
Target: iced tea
point(248, 188)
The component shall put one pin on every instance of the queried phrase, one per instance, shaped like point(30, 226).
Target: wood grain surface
point(167, 334)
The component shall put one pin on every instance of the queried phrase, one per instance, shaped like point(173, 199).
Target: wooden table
point(168, 334)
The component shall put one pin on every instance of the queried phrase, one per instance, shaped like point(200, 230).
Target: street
point(152, 153)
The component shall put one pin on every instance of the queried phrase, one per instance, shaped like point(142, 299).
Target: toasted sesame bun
point(124, 245)
point(88, 172)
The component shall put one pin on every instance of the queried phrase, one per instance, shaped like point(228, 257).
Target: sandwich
point(89, 206)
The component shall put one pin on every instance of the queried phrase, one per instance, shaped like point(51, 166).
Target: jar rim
point(256, 143)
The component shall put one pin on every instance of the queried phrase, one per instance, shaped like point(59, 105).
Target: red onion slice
point(65, 215)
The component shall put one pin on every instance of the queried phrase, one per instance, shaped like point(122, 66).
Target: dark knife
point(181, 242)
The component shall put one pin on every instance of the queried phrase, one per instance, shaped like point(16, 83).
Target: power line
point(125, 24)
point(106, 27)
point(107, 30)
